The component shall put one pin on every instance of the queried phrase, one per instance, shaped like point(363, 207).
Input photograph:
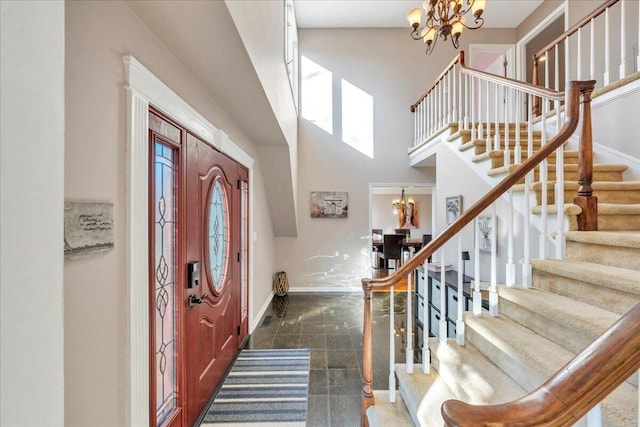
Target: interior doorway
point(383, 216)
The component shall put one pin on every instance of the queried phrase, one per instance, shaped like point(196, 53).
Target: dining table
point(415, 242)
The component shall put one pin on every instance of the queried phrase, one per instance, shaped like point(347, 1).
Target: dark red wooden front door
point(213, 235)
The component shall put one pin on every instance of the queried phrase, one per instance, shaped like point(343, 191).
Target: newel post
point(367, 357)
point(588, 218)
point(534, 81)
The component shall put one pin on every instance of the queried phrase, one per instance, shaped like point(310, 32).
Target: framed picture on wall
point(453, 205)
point(329, 204)
point(486, 224)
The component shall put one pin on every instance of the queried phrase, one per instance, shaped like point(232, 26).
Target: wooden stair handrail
point(596, 12)
point(567, 396)
point(493, 78)
point(576, 92)
point(562, 37)
point(440, 77)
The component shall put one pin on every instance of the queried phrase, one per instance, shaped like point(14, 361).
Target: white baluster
point(594, 417)
point(546, 75)
point(473, 111)
point(466, 102)
point(517, 153)
point(526, 262)
point(493, 290)
point(480, 125)
point(416, 122)
point(460, 105)
point(496, 137)
point(454, 96)
point(477, 296)
point(567, 60)
point(426, 366)
point(409, 330)
point(623, 39)
point(447, 91)
point(557, 86)
point(579, 60)
point(488, 148)
point(392, 346)
point(561, 239)
point(607, 49)
point(638, 68)
point(443, 298)
point(592, 51)
point(460, 319)
point(507, 143)
point(543, 181)
point(510, 269)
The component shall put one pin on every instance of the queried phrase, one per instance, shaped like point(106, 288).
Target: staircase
point(573, 301)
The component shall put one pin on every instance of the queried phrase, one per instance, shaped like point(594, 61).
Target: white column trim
point(144, 89)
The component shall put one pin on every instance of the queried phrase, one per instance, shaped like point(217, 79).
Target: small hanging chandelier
point(400, 205)
point(444, 18)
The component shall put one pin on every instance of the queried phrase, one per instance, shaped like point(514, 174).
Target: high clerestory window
point(291, 48)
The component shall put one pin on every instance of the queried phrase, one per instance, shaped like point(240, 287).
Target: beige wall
point(98, 34)
point(31, 192)
point(393, 69)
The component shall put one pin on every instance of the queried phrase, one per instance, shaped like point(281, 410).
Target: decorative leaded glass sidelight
point(165, 263)
point(218, 232)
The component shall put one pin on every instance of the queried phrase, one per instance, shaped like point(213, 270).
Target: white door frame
point(521, 51)
point(144, 89)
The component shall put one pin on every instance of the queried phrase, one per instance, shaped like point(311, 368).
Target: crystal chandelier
point(444, 18)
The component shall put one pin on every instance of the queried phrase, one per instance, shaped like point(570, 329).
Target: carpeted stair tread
point(570, 156)
point(423, 394)
point(566, 321)
point(525, 356)
point(385, 413)
point(617, 278)
point(569, 209)
point(531, 359)
point(470, 375)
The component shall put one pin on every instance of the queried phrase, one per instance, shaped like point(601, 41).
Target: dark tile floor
point(331, 326)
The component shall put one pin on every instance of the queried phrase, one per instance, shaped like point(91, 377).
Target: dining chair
point(376, 234)
point(391, 249)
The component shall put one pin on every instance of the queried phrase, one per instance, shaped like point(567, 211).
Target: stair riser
point(567, 337)
point(610, 299)
point(604, 196)
point(481, 146)
point(618, 222)
point(573, 176)
point(498, 161)
point(615, 256)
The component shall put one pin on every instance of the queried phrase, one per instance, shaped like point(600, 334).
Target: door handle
point(193, 300)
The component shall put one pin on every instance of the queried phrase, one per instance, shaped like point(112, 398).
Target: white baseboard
point(260, 313)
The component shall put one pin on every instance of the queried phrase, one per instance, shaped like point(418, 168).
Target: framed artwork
point(454, 208)
point(486, 223)
point(329, 204)
point(408, 217)
point(88, 228)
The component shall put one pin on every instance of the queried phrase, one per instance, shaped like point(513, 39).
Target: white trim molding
point(144, 89)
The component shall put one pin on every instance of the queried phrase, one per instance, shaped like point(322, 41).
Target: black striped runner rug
point(264, 387)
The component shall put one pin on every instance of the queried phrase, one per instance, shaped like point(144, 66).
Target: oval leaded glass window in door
point(218, 232)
